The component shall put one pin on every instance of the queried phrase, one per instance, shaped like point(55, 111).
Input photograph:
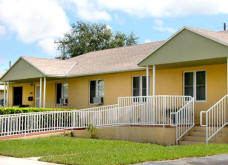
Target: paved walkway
point(210, 160)
point(4, 160)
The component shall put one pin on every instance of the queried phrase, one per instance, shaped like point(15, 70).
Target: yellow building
point(192, 62)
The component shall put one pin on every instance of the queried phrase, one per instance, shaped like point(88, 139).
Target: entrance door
point(17, 96)
point(37, 96)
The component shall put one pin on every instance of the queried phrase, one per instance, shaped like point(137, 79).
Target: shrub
point(92, 131)
point(15, 110)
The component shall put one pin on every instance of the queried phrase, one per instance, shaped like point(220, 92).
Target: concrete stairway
point(198, 136)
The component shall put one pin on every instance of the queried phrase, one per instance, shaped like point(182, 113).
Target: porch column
point(44, 99)
point(147, 81)
point(4, 101)
point(154, 80)
point(40, 104)
point(7, 102)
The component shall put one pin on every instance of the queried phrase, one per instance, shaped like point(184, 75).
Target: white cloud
point(2, 30)
point(88, 9)
point(34, 21)
point(48, 46)
point(159, 25)
point(148, 40)
point(158, 22)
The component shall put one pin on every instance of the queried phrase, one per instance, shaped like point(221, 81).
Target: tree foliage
point(85, 37)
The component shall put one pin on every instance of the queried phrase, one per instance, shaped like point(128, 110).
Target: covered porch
point(40, 92)
point(25, 85)
point(192, 64)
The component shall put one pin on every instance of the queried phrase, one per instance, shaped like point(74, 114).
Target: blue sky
point(29, 27)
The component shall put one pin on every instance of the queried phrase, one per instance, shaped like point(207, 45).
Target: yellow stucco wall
point(115, 85)
point(27, 90)
point(168, 82)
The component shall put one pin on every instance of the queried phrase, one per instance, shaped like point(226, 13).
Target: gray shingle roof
point(97, 62)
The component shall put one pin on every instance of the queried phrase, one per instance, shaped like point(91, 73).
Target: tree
point(85, 37)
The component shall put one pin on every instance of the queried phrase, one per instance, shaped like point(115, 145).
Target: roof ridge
point(196, 28)
point(122, 47)
point(42, 58)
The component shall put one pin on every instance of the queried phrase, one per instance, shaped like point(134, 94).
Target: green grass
point(68, 150)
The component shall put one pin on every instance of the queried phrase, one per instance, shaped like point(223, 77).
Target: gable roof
point(112, 60)
point(97, 62)
point(217, 36)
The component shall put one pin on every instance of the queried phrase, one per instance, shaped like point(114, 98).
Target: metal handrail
point(184, 119)
point(215, 118)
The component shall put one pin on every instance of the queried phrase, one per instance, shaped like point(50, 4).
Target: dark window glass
point(143, 85)
point(58, 93)
point(92, 91)
point(136, 86)
point(188, 84)
point(200, 85)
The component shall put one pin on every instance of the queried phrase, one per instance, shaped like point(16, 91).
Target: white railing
point(157, 110)
point(25, 123)
point(215, 118)
point(148, 110)
point(184, 119)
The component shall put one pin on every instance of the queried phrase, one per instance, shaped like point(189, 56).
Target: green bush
point(15, 110)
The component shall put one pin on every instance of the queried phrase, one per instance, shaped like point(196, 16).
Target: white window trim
point(140, 84)
point(194, 84)
point(62, 93)
point(96, 89)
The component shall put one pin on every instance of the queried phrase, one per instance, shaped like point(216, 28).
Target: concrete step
point(194, 138)
point(197, 133)
point(198, 128)
point(186, 142)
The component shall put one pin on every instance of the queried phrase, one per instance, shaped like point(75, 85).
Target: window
point(62, 93)
point(139, 86)
point(195, 85)
point(96, 91)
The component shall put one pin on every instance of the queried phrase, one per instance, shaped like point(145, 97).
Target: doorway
point(17, 96)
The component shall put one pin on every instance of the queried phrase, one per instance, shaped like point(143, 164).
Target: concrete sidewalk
point(5, 160)
point(209, 160)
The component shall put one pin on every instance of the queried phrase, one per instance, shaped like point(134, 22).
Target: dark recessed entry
point(17, 96)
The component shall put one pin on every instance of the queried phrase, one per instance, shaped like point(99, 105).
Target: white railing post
point(206, 128)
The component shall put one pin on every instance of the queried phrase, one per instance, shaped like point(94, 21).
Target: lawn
point(75, 151)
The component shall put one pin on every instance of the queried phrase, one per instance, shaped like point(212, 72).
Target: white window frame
point(194, 84)
point(96, 90)
point(140, 84)
point(62, 92)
